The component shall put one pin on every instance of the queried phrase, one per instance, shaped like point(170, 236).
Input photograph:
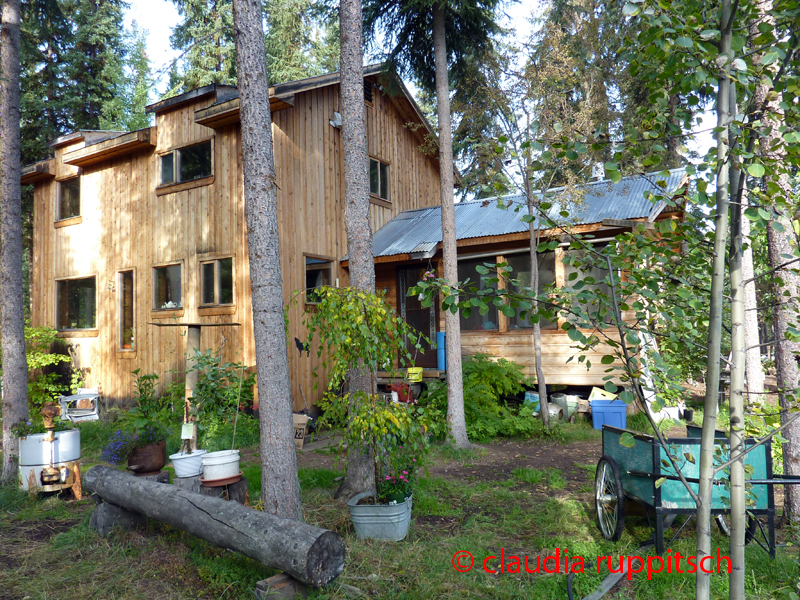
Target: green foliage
point(44, 383)
point(356, 329)
point(205, 38)
point(217, 432)
point(222, 388)
point(396, 433)
point(149, 408)
point(486, 382)
point(301, 40)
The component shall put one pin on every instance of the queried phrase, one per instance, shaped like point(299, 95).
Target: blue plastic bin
point(441, 353)
point(532, 401)
point(609, 412)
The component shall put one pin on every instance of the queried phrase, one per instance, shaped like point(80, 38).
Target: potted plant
point(143, 451)
point(358, 330)
point(141, 442)
point(218, 395)
point(396, 435)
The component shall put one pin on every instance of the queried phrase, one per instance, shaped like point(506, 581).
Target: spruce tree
point(205, 37)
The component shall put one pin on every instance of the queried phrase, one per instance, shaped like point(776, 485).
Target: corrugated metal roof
point(420, 231)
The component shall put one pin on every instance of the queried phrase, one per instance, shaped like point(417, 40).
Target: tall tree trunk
point(15, 366)
point(360, 471)
point(738, 356)
point(537, 329)
point(280, 486)
point(703, 580)
point(456, 421)
point(785, 283)
point(753, 366)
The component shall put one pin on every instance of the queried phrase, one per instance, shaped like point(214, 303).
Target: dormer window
point(187, 164)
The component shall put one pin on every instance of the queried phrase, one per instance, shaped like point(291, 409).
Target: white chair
point(83, 406)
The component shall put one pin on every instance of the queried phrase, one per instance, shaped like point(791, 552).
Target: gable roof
point(420, 231)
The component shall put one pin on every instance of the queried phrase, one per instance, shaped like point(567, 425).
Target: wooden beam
point(627, 223)
point(113, 148)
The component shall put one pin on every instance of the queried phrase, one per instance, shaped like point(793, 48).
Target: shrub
point(486, 382)
point(44, 383)
point(222, 388)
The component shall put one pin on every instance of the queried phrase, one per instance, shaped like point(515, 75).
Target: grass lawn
point(526, 497)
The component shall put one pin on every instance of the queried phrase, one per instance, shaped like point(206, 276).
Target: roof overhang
point(88, 136)
point(40, 171)
point(113, 148)
point(227, 113)
point(222, 93)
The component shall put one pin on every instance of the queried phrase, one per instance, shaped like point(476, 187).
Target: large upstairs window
point(187, 164)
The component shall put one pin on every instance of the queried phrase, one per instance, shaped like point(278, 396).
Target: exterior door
point(424, 320)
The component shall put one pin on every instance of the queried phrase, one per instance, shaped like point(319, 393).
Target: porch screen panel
point(521, 271)
point(588, 276)
point(477, 321)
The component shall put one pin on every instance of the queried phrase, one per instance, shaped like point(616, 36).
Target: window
point(126, 312)
point(186, 164)
point(476, 321)
point(167, 287)
point(521, 271)
point(69, 198)
point(216, 282)
point(75, 304)
point(319, 273)
point(379, 179)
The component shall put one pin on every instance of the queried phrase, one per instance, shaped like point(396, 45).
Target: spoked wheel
point(609, 499)
point(723, 522)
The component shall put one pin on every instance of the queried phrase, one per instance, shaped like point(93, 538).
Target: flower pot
point(220, 465)
point(187, 465)
point(149, 459)
point(380, 521)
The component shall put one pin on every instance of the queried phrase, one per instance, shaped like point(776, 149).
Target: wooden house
point(410, 245)
point(146, 228)
point(137, 229)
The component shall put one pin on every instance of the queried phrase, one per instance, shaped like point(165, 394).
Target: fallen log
point(312, 555)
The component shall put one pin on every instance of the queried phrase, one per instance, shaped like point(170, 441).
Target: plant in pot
point(358, 330)
point(220, 391)
point(396, 435)
point(141, 442)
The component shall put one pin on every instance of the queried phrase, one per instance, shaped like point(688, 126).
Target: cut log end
point(325, 559)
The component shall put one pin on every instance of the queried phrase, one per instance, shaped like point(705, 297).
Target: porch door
point(424, 320)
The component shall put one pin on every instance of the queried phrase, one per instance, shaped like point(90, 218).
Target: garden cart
point(642, 474)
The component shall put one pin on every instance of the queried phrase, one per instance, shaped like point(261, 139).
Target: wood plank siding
point(128, 222)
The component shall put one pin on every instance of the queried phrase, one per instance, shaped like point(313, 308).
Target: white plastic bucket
point(220, 465)
point(188, 465)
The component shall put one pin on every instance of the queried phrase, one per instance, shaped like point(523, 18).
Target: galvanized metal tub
point(380, 521)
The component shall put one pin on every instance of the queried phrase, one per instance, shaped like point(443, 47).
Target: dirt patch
point(500, 460)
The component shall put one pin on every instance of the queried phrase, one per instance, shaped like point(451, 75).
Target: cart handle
point(776, 479)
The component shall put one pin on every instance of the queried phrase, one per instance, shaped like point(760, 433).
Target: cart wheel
point(749, 533)
point(609, 499)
